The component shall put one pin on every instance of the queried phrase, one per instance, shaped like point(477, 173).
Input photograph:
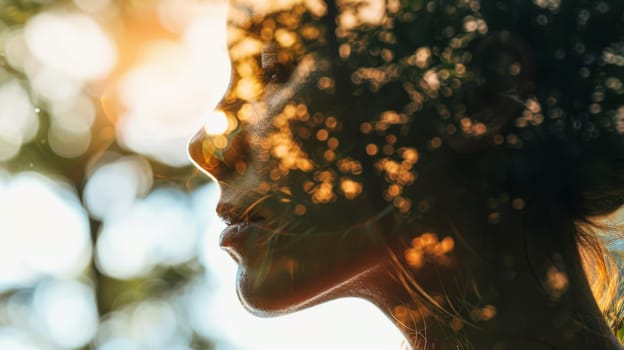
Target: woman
point(447, 160)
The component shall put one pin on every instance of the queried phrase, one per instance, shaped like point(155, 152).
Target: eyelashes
point(276, 65)
point(276, 73)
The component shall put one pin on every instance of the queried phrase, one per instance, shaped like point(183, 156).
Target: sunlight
point(166, 94)
point(71, 43)
point(216, 123)
point(56, 243)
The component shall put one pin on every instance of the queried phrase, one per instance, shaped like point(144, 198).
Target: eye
point(277, 65)
point(276, 73)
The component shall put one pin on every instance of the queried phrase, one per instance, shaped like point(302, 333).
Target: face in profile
point(290, 165)
point(360, 135)
point(313, 166)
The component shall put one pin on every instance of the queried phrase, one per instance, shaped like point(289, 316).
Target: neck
point(522, 287)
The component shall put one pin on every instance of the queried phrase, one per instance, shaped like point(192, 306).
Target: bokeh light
point(43, 230)
point(154, 322)
point(113, 187)
point(147, 324)
point(168, 94)
point(68, 143)
point(18, 120)
point(216, 123)
point(71, 43)
point(158, 229)
point(75, 114)
point(69, 134)
point(72, 302)
point(15, 49)
point(15, 339)
point(53, 85)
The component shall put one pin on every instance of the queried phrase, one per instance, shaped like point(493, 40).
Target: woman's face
point(301, 222)
point(313, 165)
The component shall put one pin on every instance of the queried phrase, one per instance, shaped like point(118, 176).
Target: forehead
point(422, 21)
point(250, 24)
point(266, 7)
point(366, 8)
point(348, 13)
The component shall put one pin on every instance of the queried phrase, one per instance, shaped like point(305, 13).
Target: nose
point(222, 154)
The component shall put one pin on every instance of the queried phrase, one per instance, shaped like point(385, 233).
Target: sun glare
point(216, 123)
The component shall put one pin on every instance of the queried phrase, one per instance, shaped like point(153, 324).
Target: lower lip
point(233, 235)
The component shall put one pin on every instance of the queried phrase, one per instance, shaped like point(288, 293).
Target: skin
point(619, 123)
point(494, 266)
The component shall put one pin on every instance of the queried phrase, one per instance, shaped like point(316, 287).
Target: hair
point(603, 273)
point(571, 153)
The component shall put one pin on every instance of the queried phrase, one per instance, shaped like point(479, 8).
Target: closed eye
point(277, 66)
point(276, 74)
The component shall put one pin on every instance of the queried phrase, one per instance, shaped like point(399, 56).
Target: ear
point(502, 70)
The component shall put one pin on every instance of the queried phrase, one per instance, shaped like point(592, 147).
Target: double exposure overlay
point(457, 163)
point(482, 134)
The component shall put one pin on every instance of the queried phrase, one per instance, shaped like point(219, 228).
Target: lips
point(239, 218)
point(242, 240)
point(233, 235)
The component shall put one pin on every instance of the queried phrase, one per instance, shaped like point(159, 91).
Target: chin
point(269, 295)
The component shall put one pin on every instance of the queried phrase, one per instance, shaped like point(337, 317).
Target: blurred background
point(108, 239)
